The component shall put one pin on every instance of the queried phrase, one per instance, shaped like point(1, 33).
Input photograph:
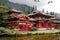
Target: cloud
point(54, 7)
point(30, 2)
point(43, 4)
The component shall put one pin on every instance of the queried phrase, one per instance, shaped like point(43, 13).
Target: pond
point(33, 37)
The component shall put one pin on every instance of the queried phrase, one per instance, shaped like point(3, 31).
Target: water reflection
point(33, 37)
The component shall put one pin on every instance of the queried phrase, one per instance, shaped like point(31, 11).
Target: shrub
point(2, 28)
point(33, 29)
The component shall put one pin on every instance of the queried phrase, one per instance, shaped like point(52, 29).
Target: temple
point(24, 22)
point(42, 20)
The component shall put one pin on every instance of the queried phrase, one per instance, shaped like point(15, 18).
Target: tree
point(33, 8)
point(43, 10)
point(47, 12)
point(3, 10)
point(29, 11)
point(37, 0)
point(2, 20)
point(51, 13)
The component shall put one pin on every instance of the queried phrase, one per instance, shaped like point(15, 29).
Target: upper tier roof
point(14, 11)
point(38, 13)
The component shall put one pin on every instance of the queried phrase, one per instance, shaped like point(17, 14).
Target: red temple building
point(19, 19)
point(56, 22)
point(26, 22)
point(42, 20)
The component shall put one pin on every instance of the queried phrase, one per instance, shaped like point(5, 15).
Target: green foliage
point(3, 13)
point(33, 8)
point(2, 23)
point(2, 28)
point(29, 11)
point(3, 8)
point(21, 7)
point(33, 29)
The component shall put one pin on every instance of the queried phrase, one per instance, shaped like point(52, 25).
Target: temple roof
point(12, 18)
point(38, 13)
point(56, 22)
point(53, 18)
point(32, 19)
point(16, 11)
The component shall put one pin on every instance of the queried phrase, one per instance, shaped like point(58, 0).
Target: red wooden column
point(27, 27)
point(46, 24)
point(40, 24)
point(49, 25)
point(23, 28)
point(19, 26)
point(52, 25)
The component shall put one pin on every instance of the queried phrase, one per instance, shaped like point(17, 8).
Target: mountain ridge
point(22, 7)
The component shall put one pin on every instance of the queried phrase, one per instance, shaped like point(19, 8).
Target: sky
point(30, 2)
point(54, 7)
point(43, 4)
